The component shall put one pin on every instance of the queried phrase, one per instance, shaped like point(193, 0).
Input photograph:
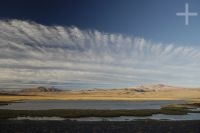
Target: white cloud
point(36, 54)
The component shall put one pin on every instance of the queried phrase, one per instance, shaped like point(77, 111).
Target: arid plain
point(143, 92)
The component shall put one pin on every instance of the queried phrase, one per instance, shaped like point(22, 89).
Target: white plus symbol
point(186, 14)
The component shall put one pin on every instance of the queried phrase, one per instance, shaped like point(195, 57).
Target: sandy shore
point(114, 94)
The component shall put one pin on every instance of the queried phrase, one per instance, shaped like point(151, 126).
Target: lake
point(89, 104)
point(189, 116)
point(112, 105)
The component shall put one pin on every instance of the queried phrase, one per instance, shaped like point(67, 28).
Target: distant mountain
point(130, 90)
point(142, 92)
point(158, 87)
point(40, 89)
point(149, 88)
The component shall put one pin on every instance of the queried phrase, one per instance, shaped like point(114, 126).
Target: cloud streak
point(35, 54)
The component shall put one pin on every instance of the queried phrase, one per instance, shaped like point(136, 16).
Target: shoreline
point(23, 98)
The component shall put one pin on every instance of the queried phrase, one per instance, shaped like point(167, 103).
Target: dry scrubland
point(149, 92)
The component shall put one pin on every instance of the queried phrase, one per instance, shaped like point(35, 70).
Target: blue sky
point(155, 20)
point(98, 43)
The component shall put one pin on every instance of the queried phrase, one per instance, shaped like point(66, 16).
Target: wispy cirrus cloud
point(35, 54)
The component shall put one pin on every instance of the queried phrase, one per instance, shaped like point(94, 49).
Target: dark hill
point(41, 89)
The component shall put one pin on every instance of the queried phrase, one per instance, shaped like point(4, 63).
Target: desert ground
point(148, 92)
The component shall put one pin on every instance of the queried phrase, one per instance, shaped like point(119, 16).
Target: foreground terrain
point(147, 126)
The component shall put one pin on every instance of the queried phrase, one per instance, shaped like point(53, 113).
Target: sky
point(81, 44)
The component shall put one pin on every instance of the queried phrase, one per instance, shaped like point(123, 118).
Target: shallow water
point(195, 109)
point(189, 116)
point(88, 104)
point(72, 104)
point(39, 118)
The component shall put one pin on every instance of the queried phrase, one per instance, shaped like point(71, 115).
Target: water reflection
point(88, 104)
point(189, 116)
